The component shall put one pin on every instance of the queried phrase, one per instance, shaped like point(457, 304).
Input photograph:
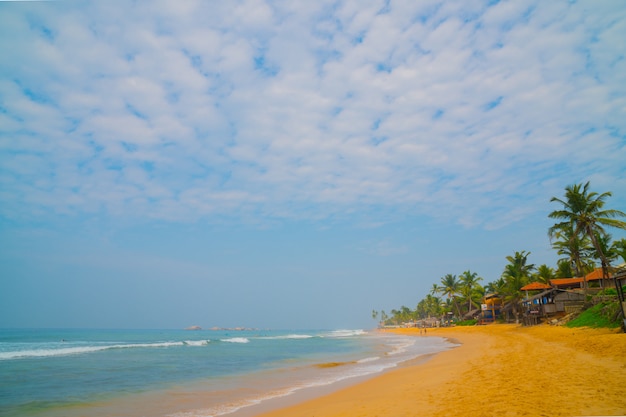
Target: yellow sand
point(500, 370)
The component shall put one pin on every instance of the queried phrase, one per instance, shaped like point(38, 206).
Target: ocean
point(183, 373)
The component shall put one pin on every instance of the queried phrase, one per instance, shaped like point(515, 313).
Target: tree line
point(579, 236)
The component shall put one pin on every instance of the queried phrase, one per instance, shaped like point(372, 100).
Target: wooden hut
point(551, 302)
point(490, 308)
point(567, 283)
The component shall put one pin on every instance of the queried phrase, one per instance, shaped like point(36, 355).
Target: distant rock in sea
point(193, 328)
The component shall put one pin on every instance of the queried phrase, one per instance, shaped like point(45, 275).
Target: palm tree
point(564, 269)
point(575, 249)
point(435, 289)
point(374, 314)
point(469, 281)
point(610, 251)
point(516, 275)
point(433, 305)
point(620, 248)
point(383, 317)
point(450, 288)
point(583, 212)
point(544, 274)
point(496, 287)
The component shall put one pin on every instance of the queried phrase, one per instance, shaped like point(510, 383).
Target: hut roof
point(534, 286)
point(594, 275)
point(565, 281)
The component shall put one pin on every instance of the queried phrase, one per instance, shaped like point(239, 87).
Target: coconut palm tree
point(450, 288)
point(469, 282)
point(610, 251)
point(544, 274)
point(496, 287)
point(435, 289)
point(374, 314)
point(516, 275)
point(583, 211)
point(575, 249)
point(564, 269)
point(620, 248)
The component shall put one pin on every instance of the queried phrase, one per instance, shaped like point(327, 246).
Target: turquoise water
point(177, 372)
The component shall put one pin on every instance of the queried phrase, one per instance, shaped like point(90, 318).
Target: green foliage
point(601, 315)
point(608, 291)
point(467, 323)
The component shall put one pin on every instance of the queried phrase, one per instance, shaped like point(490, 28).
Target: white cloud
point(256, 108)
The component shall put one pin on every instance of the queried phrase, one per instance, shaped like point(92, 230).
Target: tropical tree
point(469, 283)
point(515, 276)
point(610, 251)
point(619, 247)
point(450, 288)
point(575, 249)
point(544, 274)
point(435, 289)
point(433, 305)
point(383, 316)
point(496, 287)
point(583, 211)
point(564, 269)
point(374, 314)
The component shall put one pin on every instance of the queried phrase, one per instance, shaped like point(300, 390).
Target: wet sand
point(503, 370)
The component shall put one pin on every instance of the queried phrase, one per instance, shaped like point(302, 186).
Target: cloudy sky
point(290, 164)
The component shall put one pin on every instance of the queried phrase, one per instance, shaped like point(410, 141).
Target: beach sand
point(503, 370)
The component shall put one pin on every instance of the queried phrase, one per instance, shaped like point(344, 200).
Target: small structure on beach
point(490, 308)
point(549, 303)
point(567, 283)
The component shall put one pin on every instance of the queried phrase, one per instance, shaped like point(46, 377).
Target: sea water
point(184, 373)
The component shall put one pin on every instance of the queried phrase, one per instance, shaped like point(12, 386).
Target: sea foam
point(77, 350)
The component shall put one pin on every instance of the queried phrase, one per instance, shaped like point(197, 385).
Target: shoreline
point(498, 369)
point(312, 393)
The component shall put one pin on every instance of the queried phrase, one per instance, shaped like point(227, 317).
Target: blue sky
point(290, 164)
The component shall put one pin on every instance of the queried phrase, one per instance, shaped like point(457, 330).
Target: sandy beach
point(503, 370)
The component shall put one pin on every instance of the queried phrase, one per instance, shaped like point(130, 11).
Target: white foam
point(288, 336)
point(365, 360)
point(363, 367)
point(196, 342)
point(76, 350)
point(236, 340)
point(346, 333)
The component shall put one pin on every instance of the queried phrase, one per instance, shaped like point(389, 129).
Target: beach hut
point(551, 302)
point(569, 301)
point(490, 308)
point(539, 305)
point(535, 286)
point(567, 283)
point(596, 278)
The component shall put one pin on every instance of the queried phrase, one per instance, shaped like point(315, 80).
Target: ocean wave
point(236, 340)
point(287, 336)
point(77, 350)
point(225, 409)
point(196, 342)
point(401, 347)
point(345, 333)
point(372, 359)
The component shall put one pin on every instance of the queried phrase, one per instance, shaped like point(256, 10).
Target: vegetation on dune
point(579, 237)
point(605, 314)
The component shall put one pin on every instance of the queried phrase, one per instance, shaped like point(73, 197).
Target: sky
point(291, 164)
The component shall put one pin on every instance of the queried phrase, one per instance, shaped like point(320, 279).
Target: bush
point(608, 291)
point(471, 322)
point(606, 314)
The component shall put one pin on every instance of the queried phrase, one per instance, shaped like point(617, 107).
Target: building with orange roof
point(535, 286)
point(596, 277)
point(567, 283)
